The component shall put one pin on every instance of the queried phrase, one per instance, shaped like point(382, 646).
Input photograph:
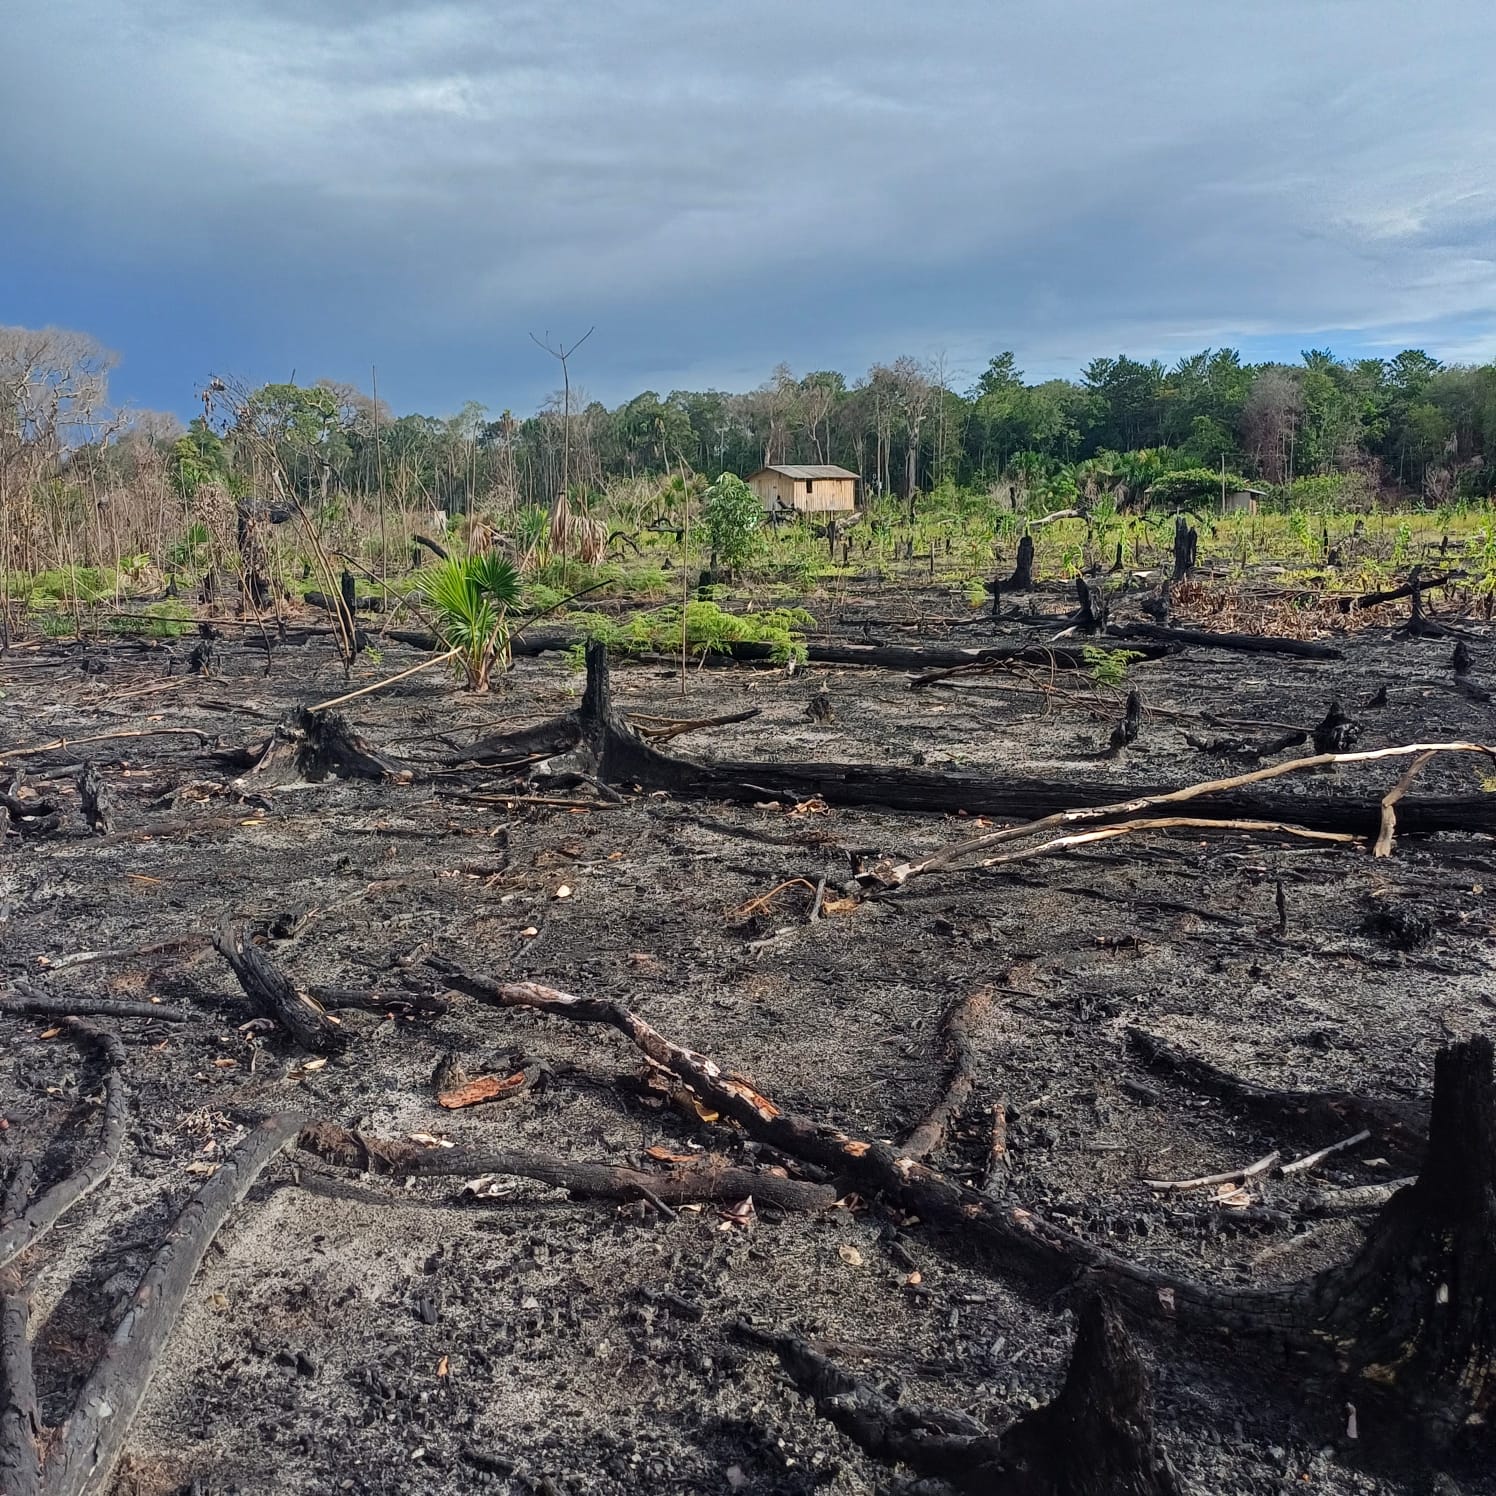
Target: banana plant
point(474, 598)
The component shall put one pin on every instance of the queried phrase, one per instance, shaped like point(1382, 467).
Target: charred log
point(957, 1031)
point(271, 993)
point(708, 1179)
point(35, 1219)
point(96, 799)
point(84, 1450)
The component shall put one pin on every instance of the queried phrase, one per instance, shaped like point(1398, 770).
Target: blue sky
point(272, 186)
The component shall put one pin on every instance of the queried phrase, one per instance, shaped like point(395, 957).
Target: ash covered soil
point(371, 1335)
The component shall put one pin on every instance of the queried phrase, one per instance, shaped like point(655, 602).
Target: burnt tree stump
point(1186, 547)
point(1337, 732)
point(1411, 1319)
point(1022, 579)
point(1094, 608)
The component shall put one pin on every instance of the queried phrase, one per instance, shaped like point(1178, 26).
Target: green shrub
point(732, 515)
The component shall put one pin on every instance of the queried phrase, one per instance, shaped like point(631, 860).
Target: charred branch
point(86, 1447)
point(709, 1179)
point(272, 995)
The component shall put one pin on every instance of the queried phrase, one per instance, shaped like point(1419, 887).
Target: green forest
point(1408, 424)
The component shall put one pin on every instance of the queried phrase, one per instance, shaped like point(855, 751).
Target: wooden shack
point(1242, 500)
point(808, 488)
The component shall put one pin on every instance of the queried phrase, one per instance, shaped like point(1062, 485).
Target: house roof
point(805, 470)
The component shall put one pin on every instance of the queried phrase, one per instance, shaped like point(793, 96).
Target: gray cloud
point(719, 186)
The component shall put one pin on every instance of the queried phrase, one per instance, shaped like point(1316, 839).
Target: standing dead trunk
point(1022, 579)
point(1186, 546)
point(1412, 1318)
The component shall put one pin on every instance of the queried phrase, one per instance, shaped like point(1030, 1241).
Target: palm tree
point(473, 597)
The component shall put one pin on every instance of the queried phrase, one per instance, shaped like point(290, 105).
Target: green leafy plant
point(732, 515)
point(474, 597)
point(1108, 667)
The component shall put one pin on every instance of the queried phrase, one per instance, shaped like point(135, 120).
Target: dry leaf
point(441, 1367)
point(665, 1156)
point(914, 1279)
point(564, 892)
point(429, 1141)
point(839, 906)
point(318, 1064)
point(850, 1255)
point(50, 1033)
point(225, 1064)
point(201, 1168)
point(741, 1215)
point(529, 932)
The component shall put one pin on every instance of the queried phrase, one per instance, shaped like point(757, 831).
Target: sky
point(273, 189)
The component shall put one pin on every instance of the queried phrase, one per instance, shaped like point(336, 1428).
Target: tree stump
point(1094, 607)
point(1022, 579)
point(1411, 1319)
point(1186, 546)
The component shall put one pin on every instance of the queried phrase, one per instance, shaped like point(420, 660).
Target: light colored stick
point(1160, 823)
point(957, 850)
point(1309, 1160)
point(1383, 844)
point(1206, 1181)
point(379, 685)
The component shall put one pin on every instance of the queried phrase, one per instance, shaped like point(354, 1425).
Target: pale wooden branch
point(958, 851)
point(1382, 847)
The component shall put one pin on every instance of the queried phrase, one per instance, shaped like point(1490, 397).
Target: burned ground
point(368, 1334)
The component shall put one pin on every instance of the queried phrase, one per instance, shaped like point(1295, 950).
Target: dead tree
point(1094, 608)
point(1022, 579)
point(1186, 547)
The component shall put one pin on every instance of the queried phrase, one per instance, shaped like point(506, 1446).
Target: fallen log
point(1408, 1325)
point(23, 998)
point(1307, 815)
point(34, 1220)
point(709, 1179)
point(82, 1453)
point(957, 1029)
point(1205, 639)
point(1395, 594)
point(20, 1419)
point(620, 757)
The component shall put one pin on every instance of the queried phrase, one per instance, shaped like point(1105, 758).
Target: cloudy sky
point(275, 186)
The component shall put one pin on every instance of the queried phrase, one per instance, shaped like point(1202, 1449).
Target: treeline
point(1409, 423)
